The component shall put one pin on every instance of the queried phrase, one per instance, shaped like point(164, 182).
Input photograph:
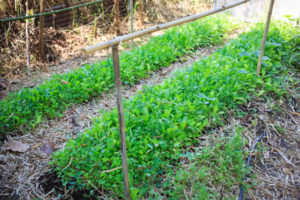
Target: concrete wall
point(256, 10)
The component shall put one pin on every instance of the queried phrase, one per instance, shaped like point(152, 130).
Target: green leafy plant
point(163, 120)
point(28, 107)
point(215, 166)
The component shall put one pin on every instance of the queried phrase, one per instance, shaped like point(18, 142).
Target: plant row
point(204, 172)
point(163, 120)
point(28, 107)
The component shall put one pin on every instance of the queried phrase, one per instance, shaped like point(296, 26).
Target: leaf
point(242, 71)
point(16, 146)
point(274, 44)
point(264, 64)
point(265, 58)
point(256, 53)
point(244, 53)
point(48, 146)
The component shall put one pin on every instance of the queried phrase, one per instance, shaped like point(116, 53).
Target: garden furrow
point(21, 172)
point(25, 109)
point(165, 120)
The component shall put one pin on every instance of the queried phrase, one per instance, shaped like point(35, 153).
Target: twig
point(111, 170)
point(68, 164)
point(285, 158)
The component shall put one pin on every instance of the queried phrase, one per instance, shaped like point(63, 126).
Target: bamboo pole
point(152, 29)
point(215, 4)
point(116, 62)
point(131, 19)
point(27, 40)
point(261, 53)
point(116, 16)
point(140, 12)
point(41, 30)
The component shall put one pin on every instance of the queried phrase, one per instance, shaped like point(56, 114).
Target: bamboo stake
point(140, 12)
point(27, 41)
point(152, 29)
point(116, 16)
point(131, 19)
point(41, 30)
point(261, 53)
point(116, 62)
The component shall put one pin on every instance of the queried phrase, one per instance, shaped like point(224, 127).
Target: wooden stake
point(131, 19)
point(116, 16)
point(41, 30)
point(262, 47)
point(215, 4)
point(116, 62)
point(140, 11)
point(27, 41)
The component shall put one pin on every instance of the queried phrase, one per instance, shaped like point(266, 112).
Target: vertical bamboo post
point(262, 47)
point(140, 12)
point(41, 30)
point(131, 19)
point(215, 4)
point(116, 16)
point(27, 40)
point(116, 62)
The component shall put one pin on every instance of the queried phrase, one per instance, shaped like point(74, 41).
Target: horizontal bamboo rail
point(155, 28)
point(47, 13)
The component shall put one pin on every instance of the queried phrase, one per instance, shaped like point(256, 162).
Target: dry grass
point(63, 45)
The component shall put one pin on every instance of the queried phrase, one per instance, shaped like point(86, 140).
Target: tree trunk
point(140, 12)
point(116, 16)
point(41, 30)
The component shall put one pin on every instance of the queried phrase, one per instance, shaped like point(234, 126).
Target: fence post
point(116, 62)
point(262, 47)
